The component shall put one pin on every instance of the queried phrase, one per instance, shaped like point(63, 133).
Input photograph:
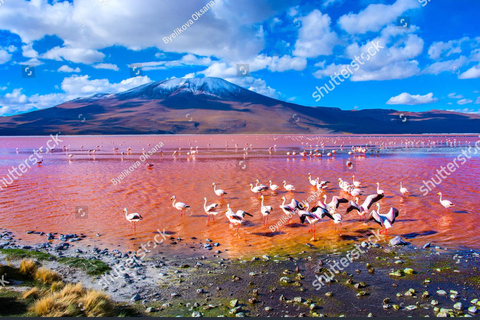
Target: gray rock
point(136, 297)
point(196, 314)
point(397, 241)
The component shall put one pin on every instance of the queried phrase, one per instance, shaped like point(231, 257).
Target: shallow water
point(46, 197)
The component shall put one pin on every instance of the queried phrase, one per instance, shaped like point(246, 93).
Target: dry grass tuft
point(32, 293)
point(74, 300)
point(28, 267)
point(46, 276)
point(57, 286)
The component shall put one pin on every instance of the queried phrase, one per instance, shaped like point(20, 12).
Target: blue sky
point(86, 47)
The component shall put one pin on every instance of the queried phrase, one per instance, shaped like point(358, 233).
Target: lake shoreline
point(166, 284)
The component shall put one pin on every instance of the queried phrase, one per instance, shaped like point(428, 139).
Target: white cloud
point(74, 87)
point(186, 60)
point(256, 85)
point(315, 37)
point(448, 65)
point(328, 3)
point(261, 62)
point(464, 101)
point(4, 56)
point(17, 102)
point(393, 58)
point(375, 16)
point(477, 101)
point(445, 49)
point(68, 69)
point(408, 99)
point(472, 73)
point(81, 86)
point(28, 52)
point(77, 55)
point(228, 30)
point(453, 95)
point(108, 66)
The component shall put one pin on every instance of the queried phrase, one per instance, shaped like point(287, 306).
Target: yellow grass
point(74, 300)
point(46, 276)
point(57, 285)
point(28, 267)
point(32, 293)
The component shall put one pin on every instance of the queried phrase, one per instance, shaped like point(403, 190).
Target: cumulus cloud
point(389, 56)
point(227, 30)
point(74, 87)
point(472, 73)
point(315, 36)
point(68, 69)
point(408, 99)
point(445, 49)
point(375, 16)
point(17, 102)
point(81, 86)
point(77, 55)
point(4, 56)
point(107, 66)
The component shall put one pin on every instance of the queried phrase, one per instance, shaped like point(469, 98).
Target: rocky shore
point(386, 280)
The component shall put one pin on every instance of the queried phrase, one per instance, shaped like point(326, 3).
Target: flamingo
point(258, 184)
point(266, 210)
point(218, 192)
point(179, 205)
point(322, 184)
point(403, 190)
point(312, 182)
point(379, 191)
point(384, 220)
point(365, 207)
point(446, 203)
point(290, 209)
point(288, 187)
point(356, 183)
point(236, 218)
point(210, 209)
point(273, 187)
point(132, 217)
point(255, 189)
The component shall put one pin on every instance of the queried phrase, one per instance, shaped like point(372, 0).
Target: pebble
point(196, 314)
point(411, 307)
point(441, 292)
point(234, 303)
point(458, 306)
point(473, 309)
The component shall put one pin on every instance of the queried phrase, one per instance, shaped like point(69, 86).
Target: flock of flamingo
point(320, 210)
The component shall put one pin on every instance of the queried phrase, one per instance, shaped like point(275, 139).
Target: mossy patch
point(92, 267)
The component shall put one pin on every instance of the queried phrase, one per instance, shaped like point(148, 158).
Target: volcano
point(216, 106)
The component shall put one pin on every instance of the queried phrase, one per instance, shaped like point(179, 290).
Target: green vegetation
point(17, 254)
point(91, 267)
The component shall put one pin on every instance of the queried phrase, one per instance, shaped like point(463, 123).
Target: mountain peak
point(214, 87)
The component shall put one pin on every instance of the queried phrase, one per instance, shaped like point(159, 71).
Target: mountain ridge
point(216, 106)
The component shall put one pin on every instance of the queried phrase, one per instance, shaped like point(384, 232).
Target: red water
point(45, 197)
